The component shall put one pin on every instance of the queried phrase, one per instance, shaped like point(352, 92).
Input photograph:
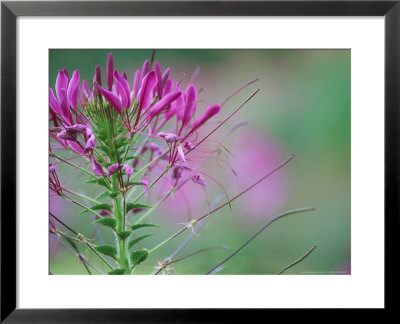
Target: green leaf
point(134, 158)
point(124, 235)
point(107, 221)
point(117, 272)
point(97, 207)
point(139, 256)
point(121, 141)
point(138, 239)
point(130, 206)
point(107, 250)
point(135, 183)
point(103, 194)
point(99, 181)
point(135, 227)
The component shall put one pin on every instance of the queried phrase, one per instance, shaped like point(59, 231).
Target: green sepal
point(135, 227)
point(107, 250)
point(138, 239)
point(139, 256)
point(124, 235)
point(117, 272)
point(107, 221)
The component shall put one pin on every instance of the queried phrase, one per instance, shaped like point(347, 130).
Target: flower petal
point(61, 83)
point(123, 89)
point(54, 105)
point(96, 167)
point(190, 105)
point(114, 101)
point(148, 83)
point(136, 83)
point(157, 69)
point(210, 112)
point(64, 107)
point(73, 89)
point(163, 103)
point(165, 75)
point(145, 68)
point(181, 155)
point(90, 144)
point(168, 86)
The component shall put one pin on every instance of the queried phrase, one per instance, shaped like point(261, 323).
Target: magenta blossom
point(258, 153)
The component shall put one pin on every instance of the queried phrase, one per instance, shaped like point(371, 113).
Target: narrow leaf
point(135, 227)
point(138, 239)
point(97, 207)
point(134, 157)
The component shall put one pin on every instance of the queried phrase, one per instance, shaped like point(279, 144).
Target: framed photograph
point(183, 156)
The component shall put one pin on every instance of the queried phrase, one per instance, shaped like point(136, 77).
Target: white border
point(364, 288)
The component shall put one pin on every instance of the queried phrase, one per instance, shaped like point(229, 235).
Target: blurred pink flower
point(59, 207)
point(186, 203)
point(258, 155)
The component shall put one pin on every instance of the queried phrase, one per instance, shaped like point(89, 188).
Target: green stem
point(305, 255)
point(119, 213)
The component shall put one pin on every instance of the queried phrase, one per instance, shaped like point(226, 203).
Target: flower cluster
point(123, 132)
point(83, 115)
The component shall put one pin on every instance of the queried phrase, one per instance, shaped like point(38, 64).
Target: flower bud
point(110, 71)
point(210, 112)
point(168, 137)
point(163, 103)
point(97, 75)
point(157, 69)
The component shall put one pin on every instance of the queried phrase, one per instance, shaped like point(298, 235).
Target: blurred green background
point(303, 107)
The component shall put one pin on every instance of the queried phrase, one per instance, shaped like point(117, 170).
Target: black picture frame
point(10, 10)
